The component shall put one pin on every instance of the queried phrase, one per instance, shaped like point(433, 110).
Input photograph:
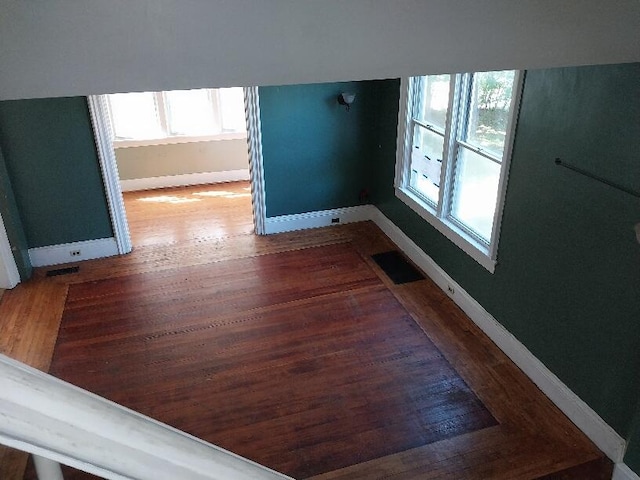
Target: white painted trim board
point(256, 160)
point(622, 472)
point(184, 180)
point(103, 136)
point(9, 275)
point(322, 218)
point(61, 253)
point(583, 416)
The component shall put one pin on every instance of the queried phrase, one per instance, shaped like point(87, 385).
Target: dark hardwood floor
point(295, 350)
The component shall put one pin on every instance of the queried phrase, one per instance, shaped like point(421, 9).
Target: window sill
point(178, 139)
point(463, 241)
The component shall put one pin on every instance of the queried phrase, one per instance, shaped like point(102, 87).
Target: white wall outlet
point(74, 253)
point(450, 290)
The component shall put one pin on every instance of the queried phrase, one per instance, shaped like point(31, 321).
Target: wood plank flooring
point(302, 361)
point(295, 350)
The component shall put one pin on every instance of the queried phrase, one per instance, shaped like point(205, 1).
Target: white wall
point(66, 47)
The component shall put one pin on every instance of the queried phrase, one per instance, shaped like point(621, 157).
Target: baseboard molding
point(622, 472)
point(184, 180)
point(322, 218)
point(62, 253)
point(583, 416)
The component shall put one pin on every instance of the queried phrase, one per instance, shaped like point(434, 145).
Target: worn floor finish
point(295, 350)
point(302, 361)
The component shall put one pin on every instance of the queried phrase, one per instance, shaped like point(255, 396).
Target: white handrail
point(45, 416)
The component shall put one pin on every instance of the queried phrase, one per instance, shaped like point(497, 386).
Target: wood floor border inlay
point(532, 440)
point(303, 361)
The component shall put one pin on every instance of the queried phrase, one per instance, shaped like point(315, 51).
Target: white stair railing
point(59, 422)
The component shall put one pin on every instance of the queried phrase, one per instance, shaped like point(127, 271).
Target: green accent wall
point(53, 167)
point(632, 457)
point(567, 283)
point(315, 152)
point(13, 223)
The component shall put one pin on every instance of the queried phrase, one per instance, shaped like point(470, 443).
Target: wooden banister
point(53, 419)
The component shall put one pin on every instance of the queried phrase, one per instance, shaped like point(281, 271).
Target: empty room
point(422, 264)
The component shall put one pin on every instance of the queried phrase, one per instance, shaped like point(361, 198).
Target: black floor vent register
point(62, 271)
point(397, 268)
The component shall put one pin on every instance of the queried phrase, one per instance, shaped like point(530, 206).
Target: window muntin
point(432, 102)
point(475, 193)
point(148, 118)
point(190, 112)
point(462, 194)
point(426, 163)
point(134, 115)
point(489, 101)
point(231, 104)
point(429, 120)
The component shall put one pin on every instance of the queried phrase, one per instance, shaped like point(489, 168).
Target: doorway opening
point(184, 205)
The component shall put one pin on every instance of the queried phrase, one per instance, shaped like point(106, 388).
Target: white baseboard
point(583, 416)
point(73, 252)
point(184, 180)
point(322, 218)
point(622, 472)
point(573, 407)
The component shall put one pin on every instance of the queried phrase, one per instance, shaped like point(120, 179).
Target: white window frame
point(169, 138)
point(439, 216)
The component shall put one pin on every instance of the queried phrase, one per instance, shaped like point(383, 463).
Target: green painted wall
point(13, 223)
point(315, 152)
point(632, 457)
point(53, 167)
point(567, 284)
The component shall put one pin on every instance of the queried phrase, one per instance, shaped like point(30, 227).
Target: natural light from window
point(454, 143)
point(177, 116)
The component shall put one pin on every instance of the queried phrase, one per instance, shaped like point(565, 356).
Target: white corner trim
point(103, 135)
point(184, 180)
point(62, 253)
point(256, 160)
point(9, 276)
point(321, 218)
point(622, 472)
point(583, 416)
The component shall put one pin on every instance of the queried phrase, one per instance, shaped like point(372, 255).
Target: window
point(454, 147)
point(176, 116)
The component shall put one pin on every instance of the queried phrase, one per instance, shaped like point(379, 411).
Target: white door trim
point(256, 162)
point(103, 135)
point(104, 142)
point(9, 275)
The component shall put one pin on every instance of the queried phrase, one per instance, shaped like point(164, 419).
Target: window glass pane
point(134, 116)
point(475, 192)
point(489, 110)
point(433, 100)
point(232, 109)
point(190, 112)
point(426, 162)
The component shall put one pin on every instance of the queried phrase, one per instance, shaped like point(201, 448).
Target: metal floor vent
point(62, 271)
point(397, 268)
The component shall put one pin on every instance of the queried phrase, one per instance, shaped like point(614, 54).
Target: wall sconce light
point(346, 99)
